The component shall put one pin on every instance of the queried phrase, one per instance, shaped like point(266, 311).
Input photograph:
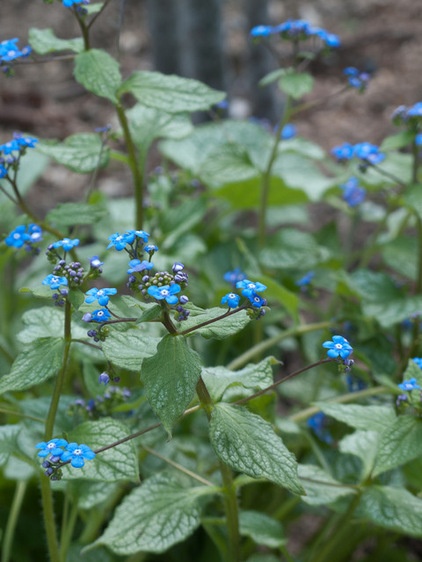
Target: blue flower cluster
point(411, 117)
point(365, 151)
point(61, 452)
point(338, 347)
point(9, 52)
point(250, 290)
point(71, 3)
point(353, 193)
point(409, 385)
point(24, 235)
point(105, 405)
point(357, 79)
point(12, 150)
point(297, 30)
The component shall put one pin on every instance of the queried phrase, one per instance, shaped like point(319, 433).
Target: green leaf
point(360, 417)
point(117, 463)
point(412, 198)
point(221, 381)
point(248, 444)
point(401, 254)
point(8, 441)
point(227, 163)
point(320, 487)
point(261, 528)
point(44, 41)
point(153, 517)
point(293, 249)
point(296, 84)
point(70, 214)
point(400, 443)
point(362, 444)
point(99, 73)
point(40, 361)
point(272, 77)
point(171, 94)
point(170, 378)
point(392, 508)
point(127, 349)
point(147, 124)
point(45, 322)
point(399, 140)
point(219, 329)
point(90, 494)
point(82, 153)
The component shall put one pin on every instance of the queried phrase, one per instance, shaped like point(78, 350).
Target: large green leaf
point(220, 329)
point(171, 94)
point(70, 214)
point(320, 487)
point(117, 463)
point(153, 517)
point(127, 349)
point(392, 508)
point(170, 378)
point(221, 381)
point(373, 417)
point(40, 360)
point(262, 528)
point(400, 443)
point(291, 248)
point(44, 41)
point(296, 84)
point(82, 153)
point(401, 254)
point(44, 322)
point(99, 73)
point(248, 444)
point(227, 163)
point(363, 444)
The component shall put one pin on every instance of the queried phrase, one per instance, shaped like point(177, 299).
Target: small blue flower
point(305, 280)
point(166, 292)
point(357, 79)
point(54, 281)
point(100, 295)
point(368, 152)
point(144, 236)
point(353, 194)
point(25, 141)
point(138, 265)
point(288, 132)
point(52, 447)
point(34, 233)
point(318, 424)
point(104, 378)
point(261, 31)
point(70, 3)
point(409, 385)
point(67, 244)
point(151, 249)
point(95, 262)
point(250, 287)
point(415, 110)
point(18, 237)
point(119, 241)
point(10, 51)
point(77, 455)
point(234, 276)
point(100, 315)
point(9, 147)
point(338, 347)
point(231, 300)
point(343, 152)
point(256, 300)
point(418, 361)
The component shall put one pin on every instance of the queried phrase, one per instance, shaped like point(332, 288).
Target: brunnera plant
point(192, 392)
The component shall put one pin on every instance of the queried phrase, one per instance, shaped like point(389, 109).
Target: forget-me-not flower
point(166, 292)
point(338, 347)
point(77, 454)
point(100, 295)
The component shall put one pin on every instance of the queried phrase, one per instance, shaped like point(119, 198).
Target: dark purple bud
point(104, 378)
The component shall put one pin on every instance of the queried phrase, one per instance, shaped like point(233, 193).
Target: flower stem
point(15, 508)
point(134, 167)
point(49, 522)
point(232, 513)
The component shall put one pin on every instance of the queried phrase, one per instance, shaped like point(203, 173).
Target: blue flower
point(67, 244)
point(104, 378)
point(343, 152)
point(409, 385)
point(356, 79)
point(255, 300)
point(138, 265)
point(305, 280)
point(3, 171)
point(338, 347)
point(234, 276)
point(70, 3)
point(54, 281)
point(18, 237)
point(119, 241)
point(77, 455)
point(415, 110)
point(261, 31)
point(151, 249)
point(34, 233)
point(9, 147)
point(100, 315)
point(318, 424)
point(100, 295)
point(95, 262)
point(288, 132)
point(52, 447)
point(418, 361)
point(353, 194)
point(10, 51)
point(25, 141)
point(250, 287)
point(231, 299)
point(166, 292)
point(144, 236)
point(368, 152)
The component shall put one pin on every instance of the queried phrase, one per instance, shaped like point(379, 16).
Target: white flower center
point(77, 452)
point(338, 346)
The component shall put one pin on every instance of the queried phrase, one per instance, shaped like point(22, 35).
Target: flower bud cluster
point(11, 151)
point(100, 406)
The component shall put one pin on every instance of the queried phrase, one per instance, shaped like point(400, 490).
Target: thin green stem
point(95, 16)
point(54, 404)
point(49, 521)
point(232, 513)
point(83, 27)
point(270, 342)
point(230, 312)
point(134, 166)
point(67, 529)
point(20, 415)
point(6, 354)
point(12, 520)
